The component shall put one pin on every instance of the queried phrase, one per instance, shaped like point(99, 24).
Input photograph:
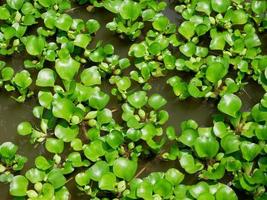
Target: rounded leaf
point(206, 146)
point(18, 186)
point(138, 99)
point(46, 78)
point(230, 104)
point(54, 145)
point(124, 168)
point(24, 128)
point(156, 101)
point(35, 45)
point(130, 10)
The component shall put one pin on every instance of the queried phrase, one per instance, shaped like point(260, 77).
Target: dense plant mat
point(212, 54)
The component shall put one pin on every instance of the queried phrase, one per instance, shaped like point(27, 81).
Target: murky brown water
point(12, 113)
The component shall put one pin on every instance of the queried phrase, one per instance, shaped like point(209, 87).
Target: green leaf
point(188, 49)
point(23, 79)
point(130, 10)
point(92, 26)
point(220, 129)
point(154, 48)
point(230, 104)
point(94, 150)
point(215, 72)
point(67, 68)
point(64, 22)
point(65, 132)
point(7, 73)
point(230, 143)
point(63, 108)
point(15, 4)
point(104, 116)
point(82, 178)
point(144, 190)
point(123, 83)
point(98, 100)
point(42, 163)
point(96, 171)
point(225, 193)
point(18, 186)
point(187, 29)
point(138, 99)
point(45, 99)
point(220, 6)
point(239, 17)
point(252, 40)
point(46, 3)
point(107, 182)
point(137, 50)
point(24, 128)
point(206, 146)
point(174, 176)
point(8, 150)
point(204, 6)
point(156, 101)
point(188, 137)
point(198, 189)
point(161, 23)
point(82, 40)
point(91, 76)
point(56, 178)
point(163, 188)
point(249, 150)
point(5, 14)
point(148, 131)
point(114, 139)
point(35, 175)
point(258, 7)
point(189, 164)
point(35, 45)
point(124, 168)
point(46, 78)
point(54, 145)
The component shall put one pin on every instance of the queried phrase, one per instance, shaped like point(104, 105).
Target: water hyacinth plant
point(95, 70)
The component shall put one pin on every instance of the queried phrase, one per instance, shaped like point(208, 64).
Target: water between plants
point(12, 113)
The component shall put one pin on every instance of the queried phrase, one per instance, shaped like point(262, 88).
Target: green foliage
point(101, 123)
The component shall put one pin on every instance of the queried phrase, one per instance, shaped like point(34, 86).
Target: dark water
point(12, 113)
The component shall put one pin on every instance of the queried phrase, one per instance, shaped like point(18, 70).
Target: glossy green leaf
point(124, 168)
point(67, 68)
point(156, 101)
point(82, 40)
point(56, 178)
point(65, 132)
point(91, 76)
point(174, 176)
point(64, 22)
point(187, 29)
point(35, 45)
point(138, 99)
point(206, 146)
point(18, 186)
point(130, 10)
point(220, 6)
point(96, 171)
point(107, 182)
point(230, 104)
point(46, 78)
point(24, 128)
point(249, 150)
point(54, 145)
